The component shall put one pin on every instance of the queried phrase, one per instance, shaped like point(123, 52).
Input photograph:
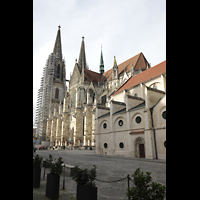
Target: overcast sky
point(124, 28)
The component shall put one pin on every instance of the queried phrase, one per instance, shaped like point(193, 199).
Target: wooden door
point(141, 151)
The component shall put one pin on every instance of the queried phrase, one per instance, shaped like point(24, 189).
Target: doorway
point(141, 151)
point(139, 147)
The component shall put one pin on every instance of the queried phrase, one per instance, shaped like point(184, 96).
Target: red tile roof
point(139, 61)
point(143, 77)
point(91, 76)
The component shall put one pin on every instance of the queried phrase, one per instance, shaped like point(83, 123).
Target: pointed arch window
point(58, 71)
point(155, 86)
point(57, 93)
point(114, 72)
point(62, 74)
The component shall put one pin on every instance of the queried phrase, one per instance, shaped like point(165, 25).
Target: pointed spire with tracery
point(115, 70)
point(115, 62)
point(82, 57)
point(101, 66)
point(57, 47)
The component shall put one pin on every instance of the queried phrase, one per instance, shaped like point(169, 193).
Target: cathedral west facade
point(82, 115)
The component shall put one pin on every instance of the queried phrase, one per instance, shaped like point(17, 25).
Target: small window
point(104, 125)
point(120, 123)
point(155, 86)
point(103, 100)
point(105, 145)
point(165, 144)
point(164, 115)
point(138, 119)
point(121, 145)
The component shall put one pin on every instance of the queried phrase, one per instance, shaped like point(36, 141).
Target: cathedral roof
point(138, 61)
point(91, 76)
point(143, 77)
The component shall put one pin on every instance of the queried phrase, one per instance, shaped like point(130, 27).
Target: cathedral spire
point(115, 62)
point(101, 66)
point(82, 57)
point(115, 70)
point(57, 47)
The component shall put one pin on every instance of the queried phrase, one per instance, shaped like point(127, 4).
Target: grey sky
point(124, 28)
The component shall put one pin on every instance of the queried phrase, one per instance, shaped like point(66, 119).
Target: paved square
point(108, 168)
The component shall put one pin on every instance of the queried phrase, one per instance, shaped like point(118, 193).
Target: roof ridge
point(137, 61)
point(131, 58)
point(94, 72)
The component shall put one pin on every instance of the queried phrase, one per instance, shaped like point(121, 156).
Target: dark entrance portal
point(141, 151)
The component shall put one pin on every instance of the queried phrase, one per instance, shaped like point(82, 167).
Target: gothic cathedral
point(66, 116)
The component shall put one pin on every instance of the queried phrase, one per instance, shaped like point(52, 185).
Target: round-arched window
point(165, 144)
point(138, 119)
point(120, 123)
point(105, 145)
point(164, 114)
point(104, 125)
point(121, 145)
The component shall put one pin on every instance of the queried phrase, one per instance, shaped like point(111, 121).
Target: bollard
point(64, 178)
point(128, 177)
point(44, 172)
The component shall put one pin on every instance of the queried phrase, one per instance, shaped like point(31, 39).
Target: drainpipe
point(154, 132)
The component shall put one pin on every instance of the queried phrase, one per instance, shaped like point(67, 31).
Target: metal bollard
point(128, 177)
point(64, 178)
point(44, 172)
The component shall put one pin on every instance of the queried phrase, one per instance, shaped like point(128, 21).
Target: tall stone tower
point(52, 88)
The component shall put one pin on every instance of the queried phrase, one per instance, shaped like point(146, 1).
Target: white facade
point(134, 123)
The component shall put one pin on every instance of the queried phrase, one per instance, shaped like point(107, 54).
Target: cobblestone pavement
point(109, 168)
point(39, 193)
